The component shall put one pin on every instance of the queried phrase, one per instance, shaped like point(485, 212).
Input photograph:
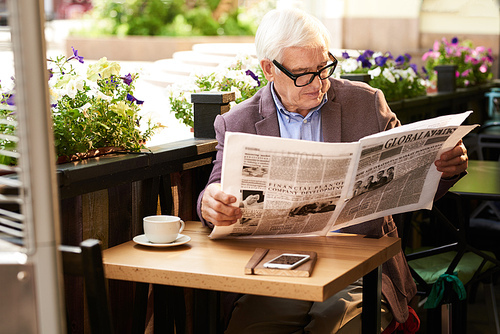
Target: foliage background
point(165, 18)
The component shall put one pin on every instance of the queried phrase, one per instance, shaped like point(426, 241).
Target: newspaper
point(297, 188)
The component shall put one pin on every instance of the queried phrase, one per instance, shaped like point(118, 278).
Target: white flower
point(102, 96)
point(237, 92)
point(85, 108)
point(54, 94)
point(410, 74)
point(103, 69)
point(388, 75)
point(375, 72)
point(349, 65)
point(73, 86)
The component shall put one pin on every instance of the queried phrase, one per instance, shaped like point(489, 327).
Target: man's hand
point(453, 162)
point(216, 206)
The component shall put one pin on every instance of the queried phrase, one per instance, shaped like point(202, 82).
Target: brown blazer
point(354, 110)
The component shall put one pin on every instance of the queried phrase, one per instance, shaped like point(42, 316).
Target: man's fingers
point(454, 161)
point(216, 206)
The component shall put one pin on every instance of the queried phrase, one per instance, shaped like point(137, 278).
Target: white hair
point(280, 29)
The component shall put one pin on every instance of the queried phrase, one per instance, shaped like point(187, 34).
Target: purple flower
point(127, 79)
point(255, 77)
point(414, 68)
point(454, 40)
point(368, 53)
point(424, 70)
point(10, 100)
point(400, 60)
point(380, 60)
point(345, 55)
point(132, 99)
point(76, 56)
point(365, 61)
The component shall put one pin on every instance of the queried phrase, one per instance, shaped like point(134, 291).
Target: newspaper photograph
point(289, 187)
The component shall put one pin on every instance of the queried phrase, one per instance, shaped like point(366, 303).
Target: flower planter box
point(142, 48)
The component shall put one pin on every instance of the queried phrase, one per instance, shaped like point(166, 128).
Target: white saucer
point(142, 240)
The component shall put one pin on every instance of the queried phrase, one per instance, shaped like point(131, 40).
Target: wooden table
point(219, 265)
point(481, 182)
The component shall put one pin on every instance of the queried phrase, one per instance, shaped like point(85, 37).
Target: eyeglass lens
point(305, 79)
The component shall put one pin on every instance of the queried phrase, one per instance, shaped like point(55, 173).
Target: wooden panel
point(95, 216)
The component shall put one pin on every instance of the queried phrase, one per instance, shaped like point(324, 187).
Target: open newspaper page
point(284, 186)
point(295, 187)
point(395, 169)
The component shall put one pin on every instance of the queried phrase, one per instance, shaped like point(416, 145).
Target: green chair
point(448, 271)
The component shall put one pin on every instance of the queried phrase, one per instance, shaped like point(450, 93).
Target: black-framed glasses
point(304, 79)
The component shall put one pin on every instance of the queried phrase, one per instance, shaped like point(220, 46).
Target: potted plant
point(241, 75)
point(396, 77)
point(472, 64)
point(93, 109)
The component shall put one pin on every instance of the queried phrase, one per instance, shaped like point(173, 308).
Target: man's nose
point(317, 82)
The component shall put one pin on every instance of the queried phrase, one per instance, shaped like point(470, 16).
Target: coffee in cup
point(162, 229)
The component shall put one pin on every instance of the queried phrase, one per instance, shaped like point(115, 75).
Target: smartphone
point(287, 261)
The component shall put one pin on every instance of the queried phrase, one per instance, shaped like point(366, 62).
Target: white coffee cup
point(162, 229)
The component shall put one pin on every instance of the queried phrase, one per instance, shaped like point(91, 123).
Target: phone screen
point(286, 261)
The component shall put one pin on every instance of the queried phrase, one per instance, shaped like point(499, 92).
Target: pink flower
point(480, 49)
point(436, 46)
point(483, 68)
point(466, 73)
point(432, 54)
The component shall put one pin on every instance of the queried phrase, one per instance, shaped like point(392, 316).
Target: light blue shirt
point(295, 126)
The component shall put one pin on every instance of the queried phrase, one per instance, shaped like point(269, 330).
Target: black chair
point(446, 251)
point(488, 141)
point(86, 261)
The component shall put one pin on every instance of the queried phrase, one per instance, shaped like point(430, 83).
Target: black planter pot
point(357, 77)
point(446, 79)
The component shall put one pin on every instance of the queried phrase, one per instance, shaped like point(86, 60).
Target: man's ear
point(268, 69)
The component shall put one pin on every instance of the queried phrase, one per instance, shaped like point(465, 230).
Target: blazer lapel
point(331, 118)
point(269, 125)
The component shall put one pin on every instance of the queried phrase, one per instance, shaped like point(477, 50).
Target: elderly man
point(302, 101)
